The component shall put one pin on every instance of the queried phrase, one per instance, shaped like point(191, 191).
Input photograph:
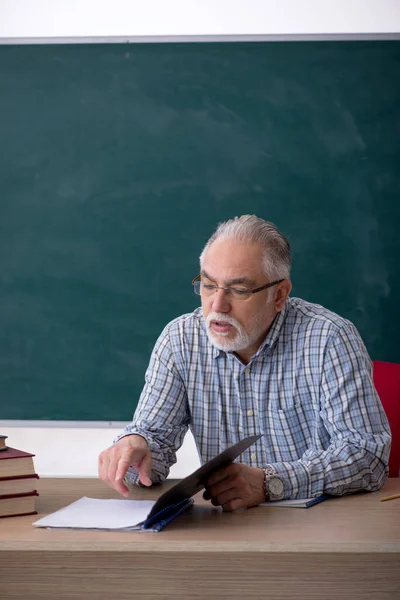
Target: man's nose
point(221, 301)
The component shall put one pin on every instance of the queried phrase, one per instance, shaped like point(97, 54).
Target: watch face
point(275, 487)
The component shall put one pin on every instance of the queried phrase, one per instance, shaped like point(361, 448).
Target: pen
point(390, 497)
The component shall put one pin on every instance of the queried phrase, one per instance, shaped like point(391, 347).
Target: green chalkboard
point(117, 162)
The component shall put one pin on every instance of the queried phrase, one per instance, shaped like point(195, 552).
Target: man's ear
point(282, 293)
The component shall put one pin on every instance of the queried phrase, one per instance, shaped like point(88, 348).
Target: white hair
point(252, 229)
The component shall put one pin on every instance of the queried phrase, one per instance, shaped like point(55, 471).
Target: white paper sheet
point(94, 513)
point(302, 503)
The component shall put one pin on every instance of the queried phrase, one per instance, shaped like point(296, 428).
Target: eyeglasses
point(236, 293)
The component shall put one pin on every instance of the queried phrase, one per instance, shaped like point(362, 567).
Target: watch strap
point(271, 474)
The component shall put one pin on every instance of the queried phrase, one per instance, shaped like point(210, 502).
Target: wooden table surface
point(347, 547)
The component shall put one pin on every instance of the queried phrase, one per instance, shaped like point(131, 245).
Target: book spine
point(12, 477)
point(34, 493)
point(15, 453)
point(19, 515)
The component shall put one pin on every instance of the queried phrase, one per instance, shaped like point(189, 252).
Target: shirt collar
point(274, 332)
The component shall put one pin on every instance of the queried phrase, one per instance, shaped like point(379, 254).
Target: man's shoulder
point(186, 324)
point(310, 315)
point(182, 339)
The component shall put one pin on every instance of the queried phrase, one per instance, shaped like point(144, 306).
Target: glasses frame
point(254, 291)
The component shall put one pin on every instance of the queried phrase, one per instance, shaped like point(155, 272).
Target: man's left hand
point(236, 486)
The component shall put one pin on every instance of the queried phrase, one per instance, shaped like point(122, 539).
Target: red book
point(25, 484)
point(14, 463)
point(18, 505)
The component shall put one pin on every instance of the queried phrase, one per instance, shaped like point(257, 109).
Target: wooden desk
point(343, 548)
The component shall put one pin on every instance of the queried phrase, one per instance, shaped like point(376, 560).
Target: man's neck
point(246, 354)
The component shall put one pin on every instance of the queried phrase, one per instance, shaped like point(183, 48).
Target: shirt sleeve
point(162, 416)
point(357, 456)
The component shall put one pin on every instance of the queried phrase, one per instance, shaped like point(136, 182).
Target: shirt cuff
point(159, 469)
point(296, 480)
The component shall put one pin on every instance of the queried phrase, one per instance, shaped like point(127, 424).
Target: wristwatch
point(273, 484)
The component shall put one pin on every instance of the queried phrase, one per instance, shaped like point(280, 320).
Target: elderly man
point(253, 360)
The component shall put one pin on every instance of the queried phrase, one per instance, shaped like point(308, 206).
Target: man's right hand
point(131, 450)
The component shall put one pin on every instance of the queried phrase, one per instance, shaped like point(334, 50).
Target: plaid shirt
point(308, 390)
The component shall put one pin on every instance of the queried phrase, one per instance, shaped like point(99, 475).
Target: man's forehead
point(229, 260)
point(230, 279)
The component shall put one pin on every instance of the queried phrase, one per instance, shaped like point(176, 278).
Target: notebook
point(298, 503)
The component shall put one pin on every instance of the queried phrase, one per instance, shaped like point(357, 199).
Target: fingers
point(117, 479)
point(112, 468)
point(237, 486)
point(219, 481)
point(220, 475)
point(228, 498)
point(217, 489)
point(234, 504)
point(103, 466)
point(224, 497)
point(115, 461)
point(220, 487)
point(145, 470)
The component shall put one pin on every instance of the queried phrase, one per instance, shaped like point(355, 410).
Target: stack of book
point(17, 481)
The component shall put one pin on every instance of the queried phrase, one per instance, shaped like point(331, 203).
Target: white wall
point(73, 451)
point(142, 20)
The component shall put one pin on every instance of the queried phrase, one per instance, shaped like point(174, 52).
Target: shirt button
point(253, 456)
point(250, 413)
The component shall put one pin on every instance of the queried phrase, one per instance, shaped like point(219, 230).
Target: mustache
point(214, 316)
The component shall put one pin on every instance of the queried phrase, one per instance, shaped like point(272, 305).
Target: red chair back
point(387, 384)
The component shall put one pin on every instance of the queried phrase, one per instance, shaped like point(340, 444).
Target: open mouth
point(221, 326)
